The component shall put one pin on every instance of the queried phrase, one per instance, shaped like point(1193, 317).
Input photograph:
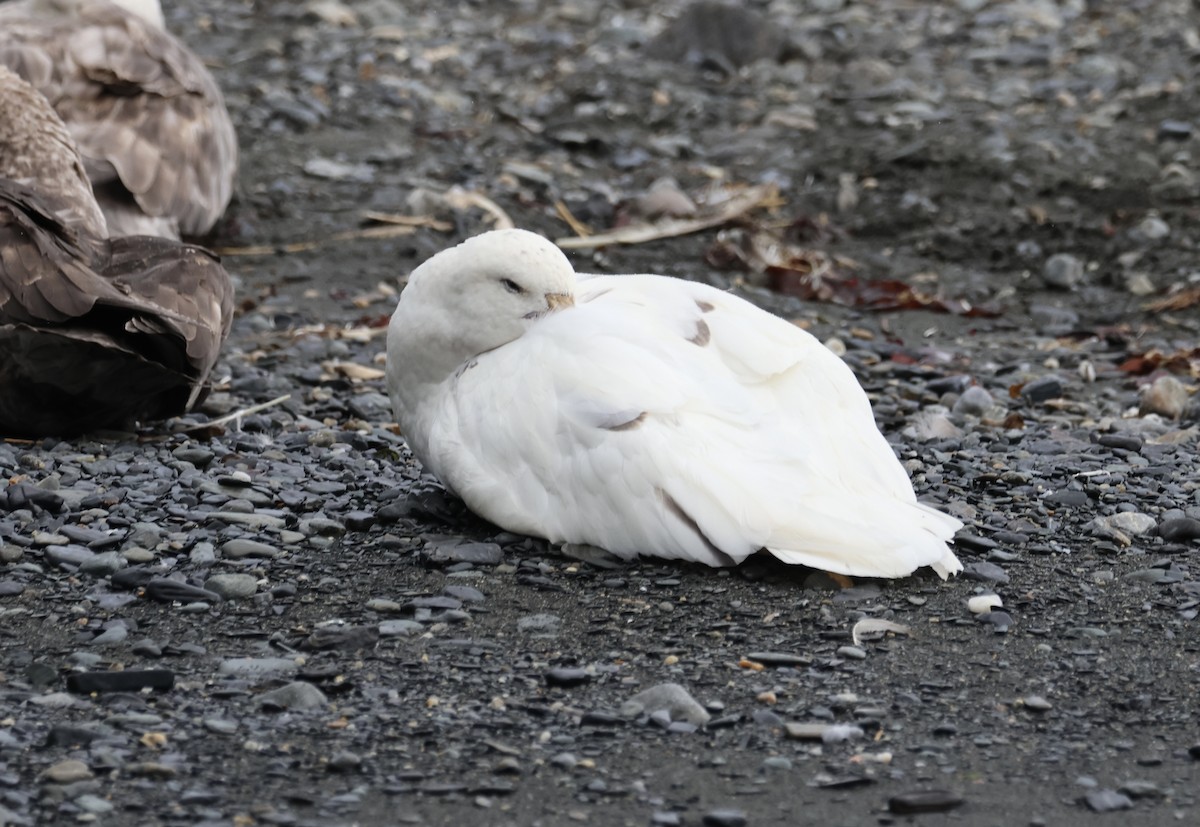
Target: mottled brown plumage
point(95, 332)
point(147, 115)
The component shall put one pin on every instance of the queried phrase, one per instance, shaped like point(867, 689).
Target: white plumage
point(646, 415)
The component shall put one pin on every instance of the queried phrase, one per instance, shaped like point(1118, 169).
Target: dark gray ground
point(969, 142)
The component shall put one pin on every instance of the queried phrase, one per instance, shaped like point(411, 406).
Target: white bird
point(646, 415)
point(146, 114)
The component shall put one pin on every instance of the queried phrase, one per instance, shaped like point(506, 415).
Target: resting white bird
point(646, 415)
point(146, 114)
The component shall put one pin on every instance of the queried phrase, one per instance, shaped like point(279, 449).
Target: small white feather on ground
point(646, 415)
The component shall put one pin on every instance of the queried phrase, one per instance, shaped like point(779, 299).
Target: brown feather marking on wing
point(669, 502)
point(629, 424)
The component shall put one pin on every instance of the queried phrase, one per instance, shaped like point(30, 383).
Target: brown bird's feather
point(95, 332)
point(146, 114)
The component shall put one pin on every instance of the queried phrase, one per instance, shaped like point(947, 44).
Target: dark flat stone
point(130, 680)
point(924, 801)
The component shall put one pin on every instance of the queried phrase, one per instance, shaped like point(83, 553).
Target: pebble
point(104, 564)
point(240, 548)
point(1042, 389)
point(983, 603)
point(805, 731)
point(1173, 130)
point(1000, 621)
point(1036, 703)
point(232, 586)
point(567, 676)
point(1179, 530)
point(1151, 228)
point(294, 695)
point(67, 772)
point(543, 624)
point(480, 554)
point(974, 401)
point(257, 667)
point(94, 804)
point(1141, 789)
point(672, 698)
point(985, 572)
point(175, 591)
point(924, 801)
point(69, 556)
point(724, 818)
point(400, 628)
point(344, 761)
point(1165, 396)
point(1107, 801)
point(779, 659)
point(111, 635)
point(1063, 271)
point(128, 680)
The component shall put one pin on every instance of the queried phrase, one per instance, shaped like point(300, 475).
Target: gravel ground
point(276, 620)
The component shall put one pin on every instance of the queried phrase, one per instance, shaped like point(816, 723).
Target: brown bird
point(148, 117)
point(95, 332)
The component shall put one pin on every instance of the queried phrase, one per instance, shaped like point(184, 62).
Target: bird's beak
point(559, 301)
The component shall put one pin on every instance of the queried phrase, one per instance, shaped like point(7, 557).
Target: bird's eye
point(512, 287)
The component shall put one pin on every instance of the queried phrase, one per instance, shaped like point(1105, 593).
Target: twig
point(230, 417)
point(564, 212)
point(389, 231)
point(408, 220)
point(1179, 301)
point(735, 207)
point(461, 199)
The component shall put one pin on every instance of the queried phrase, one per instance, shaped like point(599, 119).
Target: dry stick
point(390, 231)
point(461, 199)
point(1179, 301)
point(735, 207)
point(564, 212)
point(408, 220)
point(221, 420)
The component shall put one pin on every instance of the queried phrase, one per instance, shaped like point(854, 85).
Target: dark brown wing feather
point(100, 333)
point(141, 106)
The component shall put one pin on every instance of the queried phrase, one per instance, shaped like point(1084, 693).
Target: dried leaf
point(816, 276)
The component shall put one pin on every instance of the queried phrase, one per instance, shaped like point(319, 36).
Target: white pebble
point(984, 603)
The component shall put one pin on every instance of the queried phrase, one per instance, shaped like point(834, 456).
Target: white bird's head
point(484, 293)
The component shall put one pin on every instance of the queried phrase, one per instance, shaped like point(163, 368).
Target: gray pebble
point(546, 624)
point(103, 564)
point(669, 697)
point(111, 635)
point(232, 586)
point(295, 695)
point(1107, 801)
point(725, 818)
point(68, 556)
point(256, 667)
point(1063, 271)
point(400, 628)
point(1042, 389)
point(975, 401)
point(241, 548)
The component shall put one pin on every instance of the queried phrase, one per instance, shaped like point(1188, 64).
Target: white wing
point(664, 417)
